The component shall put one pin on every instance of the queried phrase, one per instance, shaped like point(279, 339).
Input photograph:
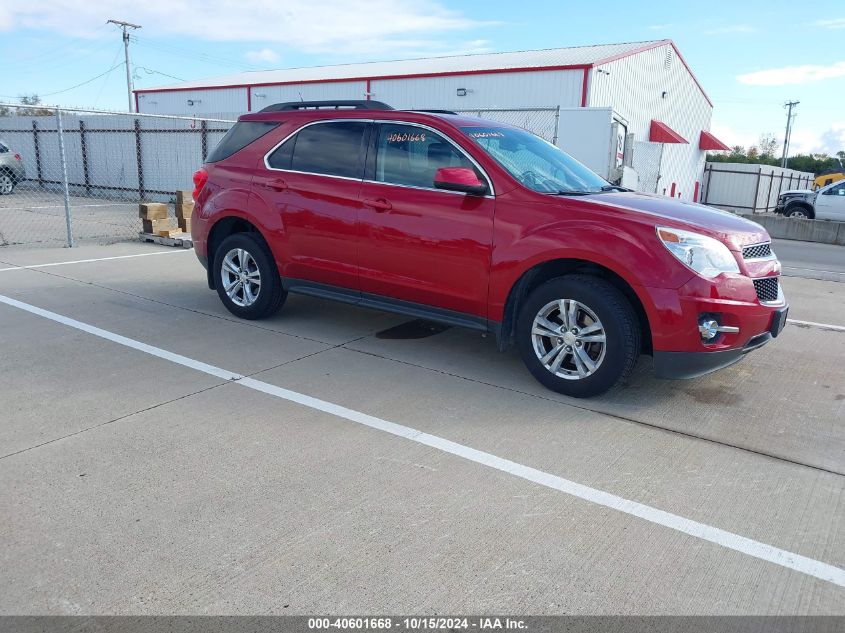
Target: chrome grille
point(757, 251)
point(767, 288)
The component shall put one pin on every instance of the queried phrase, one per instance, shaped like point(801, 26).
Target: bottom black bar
point(408, 624)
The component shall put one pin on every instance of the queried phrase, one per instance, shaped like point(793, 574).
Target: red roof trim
point(707, 141)
point(662, 133)
point(454, 73)
point(641, 49)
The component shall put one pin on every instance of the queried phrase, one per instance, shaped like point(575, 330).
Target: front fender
point(630, 250)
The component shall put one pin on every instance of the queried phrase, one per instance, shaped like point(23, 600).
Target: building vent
point(667, 63)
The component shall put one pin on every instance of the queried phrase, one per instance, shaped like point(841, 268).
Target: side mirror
point(461, 179)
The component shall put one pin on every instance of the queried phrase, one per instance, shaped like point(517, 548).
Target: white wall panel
point(634, 88)
point(262, 96)
point(200, 102)
point(538, 89)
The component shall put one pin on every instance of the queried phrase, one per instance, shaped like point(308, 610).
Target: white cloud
point(835, 23)
point(793, 75)
point(334, 26)
point(265, 55)
point(731, 29)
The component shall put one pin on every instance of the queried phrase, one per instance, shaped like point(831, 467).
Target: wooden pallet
point(181, 242)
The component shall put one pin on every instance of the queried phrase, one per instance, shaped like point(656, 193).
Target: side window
point(333, 149)
point(410, 155)
point(239, 136)
point(839, 190)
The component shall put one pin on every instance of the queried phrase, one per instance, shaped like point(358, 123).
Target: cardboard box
point(184, 197)
point(184, 210)
point(152, 210)
point(171, 233)
point(154, 226)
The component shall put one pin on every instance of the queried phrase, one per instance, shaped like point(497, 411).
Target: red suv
point(478, 224)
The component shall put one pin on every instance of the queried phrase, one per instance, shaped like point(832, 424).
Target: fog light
point(709, 329)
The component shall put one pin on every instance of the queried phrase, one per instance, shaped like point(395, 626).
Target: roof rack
point(326, 105)
point(436, 111)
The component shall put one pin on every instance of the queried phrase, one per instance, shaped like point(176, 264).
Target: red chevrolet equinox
point(474, 223)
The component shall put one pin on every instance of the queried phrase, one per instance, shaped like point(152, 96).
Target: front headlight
point(704, 255)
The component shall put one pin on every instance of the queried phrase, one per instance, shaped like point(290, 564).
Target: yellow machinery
point(827, 177)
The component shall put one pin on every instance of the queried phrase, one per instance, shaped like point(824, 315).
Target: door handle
point(277, 184)
point(381, 205)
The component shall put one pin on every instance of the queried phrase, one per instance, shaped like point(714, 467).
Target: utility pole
point(124, 26)
point(789, 117)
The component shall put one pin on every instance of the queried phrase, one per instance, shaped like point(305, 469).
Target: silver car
point(11, 169)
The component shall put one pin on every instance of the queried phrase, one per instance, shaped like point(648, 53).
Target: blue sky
point(750, 56)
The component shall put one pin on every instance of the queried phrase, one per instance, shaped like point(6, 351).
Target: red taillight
point(17, 156)
point(200, 178)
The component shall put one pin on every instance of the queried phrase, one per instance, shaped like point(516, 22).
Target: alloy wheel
point(6, 184)
point(568, 339)
point(241, 277)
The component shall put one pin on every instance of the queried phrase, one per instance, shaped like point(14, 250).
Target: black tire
point(7, 182)
point(620, 326)
point(270, 295)
point(799, 211)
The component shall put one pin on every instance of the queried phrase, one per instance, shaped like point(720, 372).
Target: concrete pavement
point(133, 485)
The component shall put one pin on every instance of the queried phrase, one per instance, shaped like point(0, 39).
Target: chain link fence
point(74, 175)
point(541, 121)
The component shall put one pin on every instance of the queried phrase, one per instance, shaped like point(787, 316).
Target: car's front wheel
point(578, 335)
point(246, 277)
point(799, 213)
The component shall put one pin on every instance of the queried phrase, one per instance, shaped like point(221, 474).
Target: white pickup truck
point(828, 203)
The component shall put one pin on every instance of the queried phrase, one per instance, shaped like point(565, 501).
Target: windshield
point(535, 163)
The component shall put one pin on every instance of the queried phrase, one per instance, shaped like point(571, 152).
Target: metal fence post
point(65, 188)
point(557, 123)
point(204, 139)
point(84, 147)
point(141, 190)
point(37, 153)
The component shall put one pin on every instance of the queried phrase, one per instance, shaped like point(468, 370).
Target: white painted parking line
point(762, 551)
point(824, 326)
point(815, 270)
point(97, 259)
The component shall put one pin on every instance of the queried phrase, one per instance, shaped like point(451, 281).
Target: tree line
point(766, 153)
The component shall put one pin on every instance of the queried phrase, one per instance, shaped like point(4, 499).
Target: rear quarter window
point(239, 136)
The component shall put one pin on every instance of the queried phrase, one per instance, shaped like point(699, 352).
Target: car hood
point(796, 192)
point(733, 230)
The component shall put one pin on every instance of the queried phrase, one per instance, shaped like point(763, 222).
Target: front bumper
point(678, 349)
point(682, 365)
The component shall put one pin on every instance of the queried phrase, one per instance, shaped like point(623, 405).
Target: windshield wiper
point(615, 188)
point(573, 192)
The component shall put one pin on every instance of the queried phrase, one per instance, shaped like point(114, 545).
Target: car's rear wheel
point(578, 335)
point(7, 183)
point(246, 277)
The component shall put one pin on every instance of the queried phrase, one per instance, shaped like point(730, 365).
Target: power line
point(105, 80)
point(198, 56)
point(49, 94)
point(152, 71)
